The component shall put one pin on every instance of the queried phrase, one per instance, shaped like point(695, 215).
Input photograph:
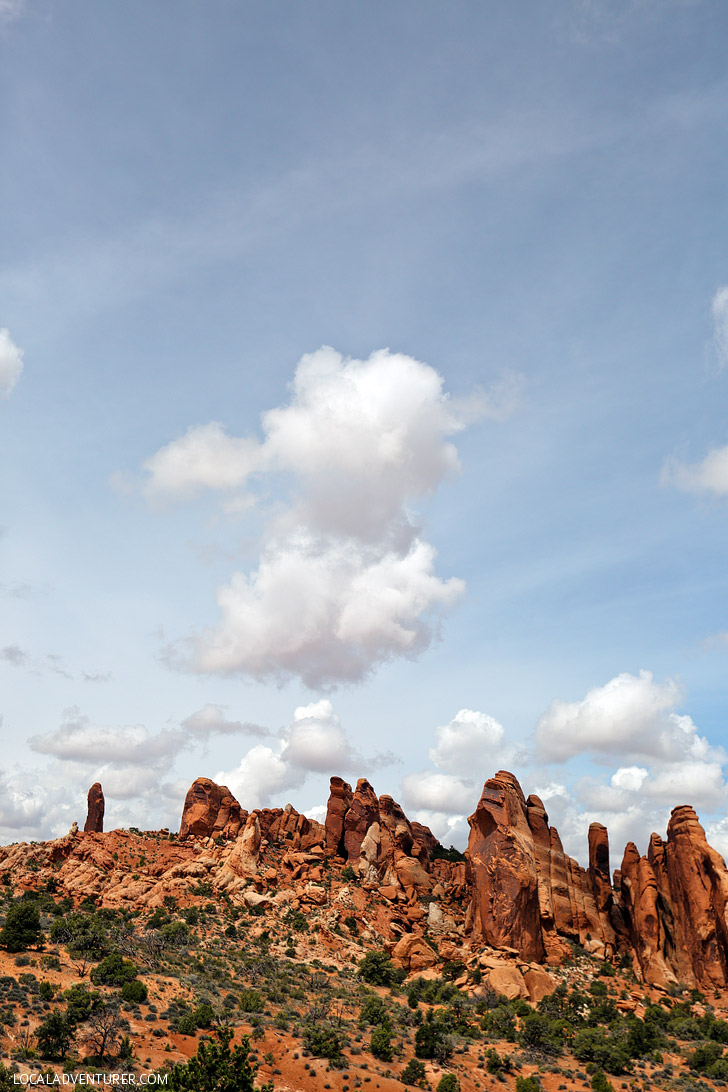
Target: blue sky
point(525, 204)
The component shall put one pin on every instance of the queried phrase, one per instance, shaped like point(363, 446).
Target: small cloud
point(96, 676)
point(709, 476)
point(11, 355)
point(438, 792)
point(10, 10)
point(211, 720)
point(55, 664)
point(13, 654)
point(719, 312)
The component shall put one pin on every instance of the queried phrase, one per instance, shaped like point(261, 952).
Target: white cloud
point(631, 714)
point(78, 740)
point(664, 761)
point(325, 613)
point(204, 458)
point(439, 792)
point(11, 355)
point(211, 719)
point(719, 311)
point(19, 810)
point(448, 829)
point(345, 580)
point(708, 476)
point(471, 741)
point(261, 777)
point(314, 742)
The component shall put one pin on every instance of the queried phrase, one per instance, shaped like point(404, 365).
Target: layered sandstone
point(526, 893)
point(676, 905)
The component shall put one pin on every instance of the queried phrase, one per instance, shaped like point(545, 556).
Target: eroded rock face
point(95, 813)
point(676, 904)
point(340, 797)
point(210, 811)
point(375, 837)
point(526, 893)
point(362, 812)
point(505, 902)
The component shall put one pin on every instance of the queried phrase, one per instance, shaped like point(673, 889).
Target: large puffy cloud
point(630, 714)
point(344, 580)
point(11, 359)
point(468, 749)
point(78, 740)
point(326, 612)
point(439, 792)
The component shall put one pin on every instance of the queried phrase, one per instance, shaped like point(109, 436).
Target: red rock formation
point(526, 893)
point(211, 811)
point(640, 902)
point(505, 909)
point(363, 811)
point(693, 879)
point(339, 803)
point(376, 838)
point(95, 813)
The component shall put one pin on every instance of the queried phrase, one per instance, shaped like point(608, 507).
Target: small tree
point(414, 1072)
point(84, 938)
point(55, 1035)
point(448, 1083)
point(22, 926)
point(215, 1068)
point(381, 1044)
point(104, 1025)
point(377, 969)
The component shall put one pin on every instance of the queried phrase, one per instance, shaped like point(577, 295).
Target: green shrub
point(81, 1002)
point(55, 1035)
point(251, 1001)
point(135, 992)
point(22, 926)
point(373, 1011)
point(377, 969)
point(528, 1084)
point(323, 1042)
point(215, 1067)
point(380, 1044)
point(448, 1083)
point(413, 1073)
point(114, 970)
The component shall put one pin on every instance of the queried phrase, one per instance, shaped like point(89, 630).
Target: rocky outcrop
point(526, 893)
point(340, 797)
point(362, 812)
point(375, 837)
point(505, 909)
point(210, 811)
point(676, 904)
point(95, 812)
